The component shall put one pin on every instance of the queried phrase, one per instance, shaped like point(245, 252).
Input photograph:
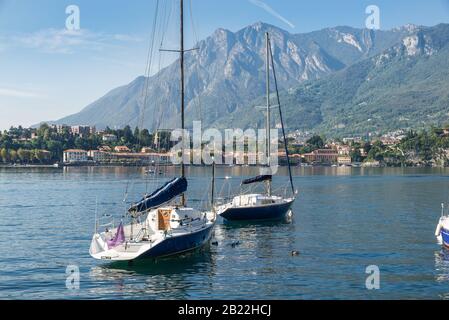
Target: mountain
point(226, 75)
point(404, 87)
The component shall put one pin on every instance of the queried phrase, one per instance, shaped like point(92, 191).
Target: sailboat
point(159, 225)
point(257, 206)
point(442, 230)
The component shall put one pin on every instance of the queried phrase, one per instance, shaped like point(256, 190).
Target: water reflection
point(442, 265)
point(401, 204)
point(168, 278)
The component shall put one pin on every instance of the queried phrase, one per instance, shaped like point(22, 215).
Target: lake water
point(344, 220)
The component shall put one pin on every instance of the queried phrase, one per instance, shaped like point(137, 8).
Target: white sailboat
point(257, 206)
point(160, 224)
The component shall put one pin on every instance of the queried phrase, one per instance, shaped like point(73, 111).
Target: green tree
point(56, 149)
point(136, 135)
point(128, 135)
point(377, 151)
point(145, 138)
point(355, 155)
point(24, 155)
point(42, 155)
point(316, 142)
point(13, 155)
point(4, 155)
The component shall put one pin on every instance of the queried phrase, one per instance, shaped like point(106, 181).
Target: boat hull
point(276, 211)
point(445, 237)
point(179, 244)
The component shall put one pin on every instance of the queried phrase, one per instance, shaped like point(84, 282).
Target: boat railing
point(281, 191)
point(101, 222)
point(141, 234)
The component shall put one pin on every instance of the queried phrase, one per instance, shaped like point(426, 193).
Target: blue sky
point(47, 73)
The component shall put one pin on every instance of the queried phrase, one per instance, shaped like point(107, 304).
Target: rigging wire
point(281, 118)
point(196, 39)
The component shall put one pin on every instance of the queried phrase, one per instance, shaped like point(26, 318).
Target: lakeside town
point(85, 145)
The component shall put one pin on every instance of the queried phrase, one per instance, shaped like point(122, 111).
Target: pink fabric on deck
point(118, 239)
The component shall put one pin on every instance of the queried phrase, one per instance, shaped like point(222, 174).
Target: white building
point(82, 131)
point(99, 156)
point(75, 155)
point(109, 138)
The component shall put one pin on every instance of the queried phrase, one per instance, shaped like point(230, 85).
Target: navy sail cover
point(164, 194)
point(258, 179)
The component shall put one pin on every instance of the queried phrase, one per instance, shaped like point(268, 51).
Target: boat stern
point(98, 246)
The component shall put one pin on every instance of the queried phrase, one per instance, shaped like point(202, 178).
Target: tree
point(377, 151)
point(56, 149)
point(145, 138)
point(13, 155)
point(316, 142)
point(24, 155)
point(136, 136)
point(44, 131)
point(128, 135)
point(355, 154)
point(4, 155)
point(42, 155)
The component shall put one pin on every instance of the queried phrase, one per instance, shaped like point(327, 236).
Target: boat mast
point(183, 198)
point(282, 123)
point(268, 135)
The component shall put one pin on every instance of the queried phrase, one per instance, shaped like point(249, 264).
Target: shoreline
point(59, 166)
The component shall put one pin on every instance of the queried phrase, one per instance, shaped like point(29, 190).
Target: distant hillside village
point(84, 145)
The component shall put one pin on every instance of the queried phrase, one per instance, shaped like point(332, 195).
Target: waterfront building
point(75, 155)
point(60, 128)
point(344, 160)
point(363, 152)
point(325, 156)
point(122, 149)
point(352, 140)
point(82, 131)
point(99, 156)
point(147, 158)
point(109, 138)
point(105, 148)
point(146, 150)
point(343, 150)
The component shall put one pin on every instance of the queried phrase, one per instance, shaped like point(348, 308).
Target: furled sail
point(164, 194)
point(258, 179)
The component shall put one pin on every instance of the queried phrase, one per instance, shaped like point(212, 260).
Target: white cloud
point(15, 93)
point(271, 11)
point(65, 41)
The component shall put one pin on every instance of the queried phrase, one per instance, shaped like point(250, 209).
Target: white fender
point(97, 245)
point(438, 229)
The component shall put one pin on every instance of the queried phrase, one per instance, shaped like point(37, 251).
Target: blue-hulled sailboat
point(267, 206)
point(160, 224)
point(442, 230)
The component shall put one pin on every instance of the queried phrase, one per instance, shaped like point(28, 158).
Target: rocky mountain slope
point(226, 75)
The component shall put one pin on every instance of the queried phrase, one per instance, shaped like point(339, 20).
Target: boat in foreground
point(160, 225)
point(164, 232)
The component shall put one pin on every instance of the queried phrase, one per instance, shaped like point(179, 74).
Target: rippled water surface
point(344, 220)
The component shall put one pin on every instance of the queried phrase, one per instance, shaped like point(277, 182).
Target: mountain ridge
point(226, 75)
